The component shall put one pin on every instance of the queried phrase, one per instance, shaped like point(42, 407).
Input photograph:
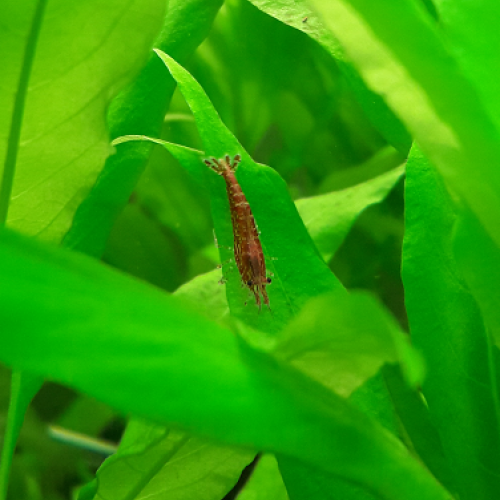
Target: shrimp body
point(247, 247)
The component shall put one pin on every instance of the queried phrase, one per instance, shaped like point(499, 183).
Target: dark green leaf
point(298, 14)
point(420, 431)
point(23, 388)
point(479, 259)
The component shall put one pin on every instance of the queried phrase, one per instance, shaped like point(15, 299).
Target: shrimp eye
point(269, 280)
point(249, 283)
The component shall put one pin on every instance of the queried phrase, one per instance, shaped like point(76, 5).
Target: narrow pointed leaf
point(139, 109)
point(329, 217)
point(446, 325)
point(299, 271)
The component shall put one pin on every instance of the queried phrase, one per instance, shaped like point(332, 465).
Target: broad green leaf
point(140, 109)
point(300, 15)
point(299, 271)
point(265, 482)
point(400, 53)
point(446, 325)
point(329, 217)
point(472, 31)
point(149, 354)
point(153, 461)
point(208, 294)
point(61, 68)
point(333, 343)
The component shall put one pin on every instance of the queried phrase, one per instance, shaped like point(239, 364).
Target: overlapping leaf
point(151, 355)
point(386, 41)
point(77, 60)
point(447, 326)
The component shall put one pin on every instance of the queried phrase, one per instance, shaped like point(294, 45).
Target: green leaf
point(140, 109)
point(140, 246)
point(207, 293)
point(329, 217)
point(24, 386)
point(299, 271)
point(380, 163)
point(447, 327)
point(480, 263)
point(299, 15)
point(304, 482)
point(333, 343)
point(151, 355)
point(400, 53)
point(421, 432)
point(169, 464)
point(265, 482)
point(61, 71)
point(190, 159)
point(472, 33)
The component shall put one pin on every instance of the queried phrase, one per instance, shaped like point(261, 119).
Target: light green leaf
point(340, 347)
point(329, 217)
point(153, 461)
point(62, 67)
point(265, 482)
point(471, 30)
